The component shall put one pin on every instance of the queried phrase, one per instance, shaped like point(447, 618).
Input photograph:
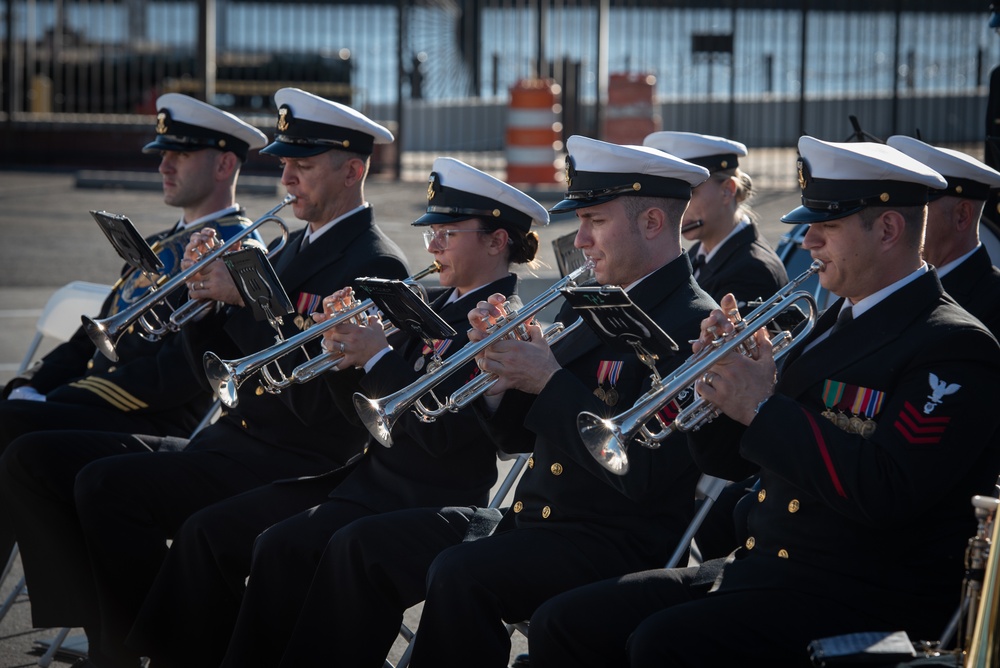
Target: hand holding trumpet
point(737, 383)
point(356, 340)
point(525, 365)
point(213, 281)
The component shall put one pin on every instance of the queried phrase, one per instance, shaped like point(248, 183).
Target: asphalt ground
point(48, 239)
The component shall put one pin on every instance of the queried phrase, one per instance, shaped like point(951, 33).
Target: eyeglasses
point(441, 237)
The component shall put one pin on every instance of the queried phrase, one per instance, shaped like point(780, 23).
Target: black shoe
point(83, 662)
point(521, 661)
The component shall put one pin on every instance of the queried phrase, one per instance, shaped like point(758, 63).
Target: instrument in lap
point(226, 376)
point(607, 439)
point(106, 332)
point(379, 415)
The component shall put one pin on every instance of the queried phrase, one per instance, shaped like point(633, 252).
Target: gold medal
point(299, 322)
point(600, 394)
point(842, 421)
point(419, 364)
point(829, 415)
point(611, 397)
point(855, 425)
point(868, 428)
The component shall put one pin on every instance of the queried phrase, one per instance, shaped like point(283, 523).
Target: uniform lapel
point(860, 339)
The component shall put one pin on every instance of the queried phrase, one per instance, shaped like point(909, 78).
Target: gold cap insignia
point(432, 186)
point(802, 169)
point(570, 171)
point(284, 118)
point(724, 164)
point(161, 122)
point(884, 197)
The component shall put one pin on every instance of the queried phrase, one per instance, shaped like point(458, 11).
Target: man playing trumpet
point(572, 521)
point(103, 523)
point(151, 389)
point(868, 446)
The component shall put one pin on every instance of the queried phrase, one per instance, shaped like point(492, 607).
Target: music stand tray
point(127, 241)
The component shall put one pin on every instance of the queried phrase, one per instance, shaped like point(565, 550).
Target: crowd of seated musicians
point(322, 505)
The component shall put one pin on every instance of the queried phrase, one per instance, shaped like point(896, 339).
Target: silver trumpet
point(379, 415)
point(106, 331)
point(607, 438)
point(226, 376)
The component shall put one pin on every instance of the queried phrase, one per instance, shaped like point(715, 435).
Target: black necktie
point(305, 243)
point(845, 316)
point(697, 263)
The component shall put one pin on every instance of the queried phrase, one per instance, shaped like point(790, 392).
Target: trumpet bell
point(224, 382)
point(102, 336)
point(604, 440)
point(374, 416)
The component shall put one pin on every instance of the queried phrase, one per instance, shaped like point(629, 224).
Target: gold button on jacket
point(761, 495)
point(518, 506)
point(531, 462)
point(793, 506)
point(546, 511)
point(751, 542)
point(556, 469)
point(783, 553)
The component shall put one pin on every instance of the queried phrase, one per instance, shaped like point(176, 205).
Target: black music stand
point(127, 242)
point(620, 323)
point(259, 285)
point(406, 310)
point(568, 256)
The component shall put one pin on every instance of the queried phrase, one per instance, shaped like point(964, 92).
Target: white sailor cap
point(457, 191)
point(840, 179)
point(967, 177)
point(598, 172)
point(712, 153)
point(186, 124)
point(310, 125)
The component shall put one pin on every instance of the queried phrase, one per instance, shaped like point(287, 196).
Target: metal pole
point(400, 75)
point(603, 41)
point(802, 68)
point(12, 77)
point(895, 67)
point(206, 48)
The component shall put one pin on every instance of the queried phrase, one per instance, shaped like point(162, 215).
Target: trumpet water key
point(106, 332)
point(379, 415)
point(607, 439)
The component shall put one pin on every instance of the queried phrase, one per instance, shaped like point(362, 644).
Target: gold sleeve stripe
point(111, 393)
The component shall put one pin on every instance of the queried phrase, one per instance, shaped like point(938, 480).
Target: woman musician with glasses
point(475, 227)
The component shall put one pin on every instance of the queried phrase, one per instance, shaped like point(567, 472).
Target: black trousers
point(664, 618)
point(376, 568)
point(19, 417)
point(127, 507)
point(189, 614)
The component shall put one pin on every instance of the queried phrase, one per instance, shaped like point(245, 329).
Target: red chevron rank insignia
point(920, 429)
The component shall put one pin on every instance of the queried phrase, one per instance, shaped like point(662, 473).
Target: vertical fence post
point(400, 75)
point(12, 77)
point(206, 49)
point(803, 63)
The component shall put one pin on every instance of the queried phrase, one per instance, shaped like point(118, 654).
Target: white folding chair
point(59, 320)
point(60, 317)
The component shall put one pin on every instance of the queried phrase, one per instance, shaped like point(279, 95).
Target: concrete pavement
point(47, 239)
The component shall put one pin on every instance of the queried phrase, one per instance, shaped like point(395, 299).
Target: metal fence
point(440, 72)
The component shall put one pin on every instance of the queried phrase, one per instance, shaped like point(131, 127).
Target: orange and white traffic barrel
point(629, 115)
point(533, 131)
